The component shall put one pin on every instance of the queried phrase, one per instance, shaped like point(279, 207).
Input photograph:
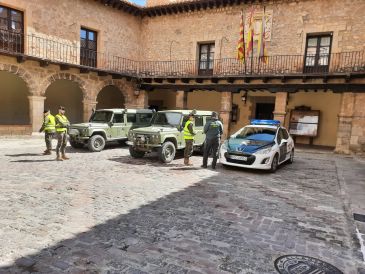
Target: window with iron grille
point(88, 42)
point(206, 59)
point(11, 30)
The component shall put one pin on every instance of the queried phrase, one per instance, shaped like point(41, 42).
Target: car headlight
point(155, 138)
point(264, 150)
point(85, 131)
point(130, 135)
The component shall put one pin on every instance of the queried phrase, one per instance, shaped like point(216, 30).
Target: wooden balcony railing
point(66, 52)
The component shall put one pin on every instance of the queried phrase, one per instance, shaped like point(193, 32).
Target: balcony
point(71, 54)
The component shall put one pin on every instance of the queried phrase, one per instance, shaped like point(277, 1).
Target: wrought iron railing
point(65, 52)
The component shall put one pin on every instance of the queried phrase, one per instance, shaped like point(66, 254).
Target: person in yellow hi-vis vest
point(189, 138)
point(62, 124)
point(49, 128)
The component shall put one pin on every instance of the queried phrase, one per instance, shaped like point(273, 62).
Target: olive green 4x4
point(165, 135)
point(108, 125)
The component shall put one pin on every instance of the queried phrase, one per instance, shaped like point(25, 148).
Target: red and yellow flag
point(261, 42)
point(241, 54)
point(251, 33)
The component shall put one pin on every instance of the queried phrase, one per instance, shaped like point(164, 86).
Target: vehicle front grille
point(250, 158)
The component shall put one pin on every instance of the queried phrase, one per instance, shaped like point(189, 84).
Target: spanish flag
point(261, 42)
point(251, 33)
point(241, 54)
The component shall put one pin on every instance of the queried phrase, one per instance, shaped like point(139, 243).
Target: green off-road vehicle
point(107, 125)
point(165, 135)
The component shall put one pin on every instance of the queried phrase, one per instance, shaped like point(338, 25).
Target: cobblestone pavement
point(108, 213)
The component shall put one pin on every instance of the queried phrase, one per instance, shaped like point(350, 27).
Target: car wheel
point(96, 143)
point(167, 152)
point(75, 144)
point(135, 153)
point(274, 163)
point(291, 159)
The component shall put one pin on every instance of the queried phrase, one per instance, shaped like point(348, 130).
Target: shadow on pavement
point(151, 161)
point(24, 154)
point(33, 161)
point(217, 225)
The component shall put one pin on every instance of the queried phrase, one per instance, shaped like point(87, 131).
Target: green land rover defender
point(165, 135)
point(107, 125)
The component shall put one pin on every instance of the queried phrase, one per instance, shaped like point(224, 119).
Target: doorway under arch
point(68, 94)
point(14, 102)
point(110, 97)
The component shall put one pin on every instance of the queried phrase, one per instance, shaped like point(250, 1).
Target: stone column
point(280, 106)
point(36, 108)
point(138, 101)
point(225, 112)
point(357, 139)
point(88, 106)
point(345, 123)
point(181, 99)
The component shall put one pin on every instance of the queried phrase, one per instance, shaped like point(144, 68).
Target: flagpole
point(252, 37)
point(244, 42)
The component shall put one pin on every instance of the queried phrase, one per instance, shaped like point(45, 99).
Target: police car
point(263, 144)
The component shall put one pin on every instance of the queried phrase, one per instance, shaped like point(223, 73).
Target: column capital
point(36, 98)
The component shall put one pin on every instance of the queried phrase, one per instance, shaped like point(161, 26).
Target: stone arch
point(110, 97)
point(14, 99)
point(122, 85)
point(65, 76)
point(23, 74)
point(67, 90)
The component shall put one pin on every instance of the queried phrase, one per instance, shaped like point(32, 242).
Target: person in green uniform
point(49, 128)
point(189, 138)
point(62, 124)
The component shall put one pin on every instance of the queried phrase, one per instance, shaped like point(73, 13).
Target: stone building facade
point(150, 56)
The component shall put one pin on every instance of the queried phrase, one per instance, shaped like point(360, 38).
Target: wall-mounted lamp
point(137, 92)
point(244, 97)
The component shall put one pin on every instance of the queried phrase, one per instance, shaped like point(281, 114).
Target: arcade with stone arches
point(110, 96)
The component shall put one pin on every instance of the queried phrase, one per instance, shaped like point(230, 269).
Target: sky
point(139, 2)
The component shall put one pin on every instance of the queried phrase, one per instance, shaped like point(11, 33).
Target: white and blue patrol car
point(263, 144)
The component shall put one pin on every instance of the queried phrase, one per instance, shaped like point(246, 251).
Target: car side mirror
point(111, 124)
point(283, 141)
point(179, 128)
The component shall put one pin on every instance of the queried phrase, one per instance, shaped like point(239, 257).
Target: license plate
point(241, 158)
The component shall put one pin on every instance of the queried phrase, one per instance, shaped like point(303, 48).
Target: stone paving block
point(145, 217)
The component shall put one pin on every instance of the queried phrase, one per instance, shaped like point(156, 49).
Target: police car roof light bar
point(265, 122)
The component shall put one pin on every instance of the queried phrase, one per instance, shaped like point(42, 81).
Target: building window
point(88, 53)
point(317, 53)
point(11, 30)
point(206, 59)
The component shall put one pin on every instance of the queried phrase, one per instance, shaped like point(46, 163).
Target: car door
point(118, 126)
point(199, 130)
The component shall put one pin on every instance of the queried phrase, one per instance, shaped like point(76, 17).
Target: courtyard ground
point(108, 213)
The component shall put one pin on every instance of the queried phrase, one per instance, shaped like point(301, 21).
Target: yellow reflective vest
point(49, 124)
point(187, 134)
point(61, 123)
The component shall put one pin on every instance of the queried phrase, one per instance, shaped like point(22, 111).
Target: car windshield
point(166, 119)
point(101, 117)
point(259, 134)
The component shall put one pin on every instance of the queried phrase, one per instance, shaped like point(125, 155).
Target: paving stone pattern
point(108, 213)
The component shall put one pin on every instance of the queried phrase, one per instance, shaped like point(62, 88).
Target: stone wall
point(61, 21)
point(292, 20)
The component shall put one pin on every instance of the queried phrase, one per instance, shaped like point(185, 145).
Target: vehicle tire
point(75, 144)
point(135, 153)
point(291, 159)
point(274, 163)
point(122, 142)
point(167, 152)
point(96, 143)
